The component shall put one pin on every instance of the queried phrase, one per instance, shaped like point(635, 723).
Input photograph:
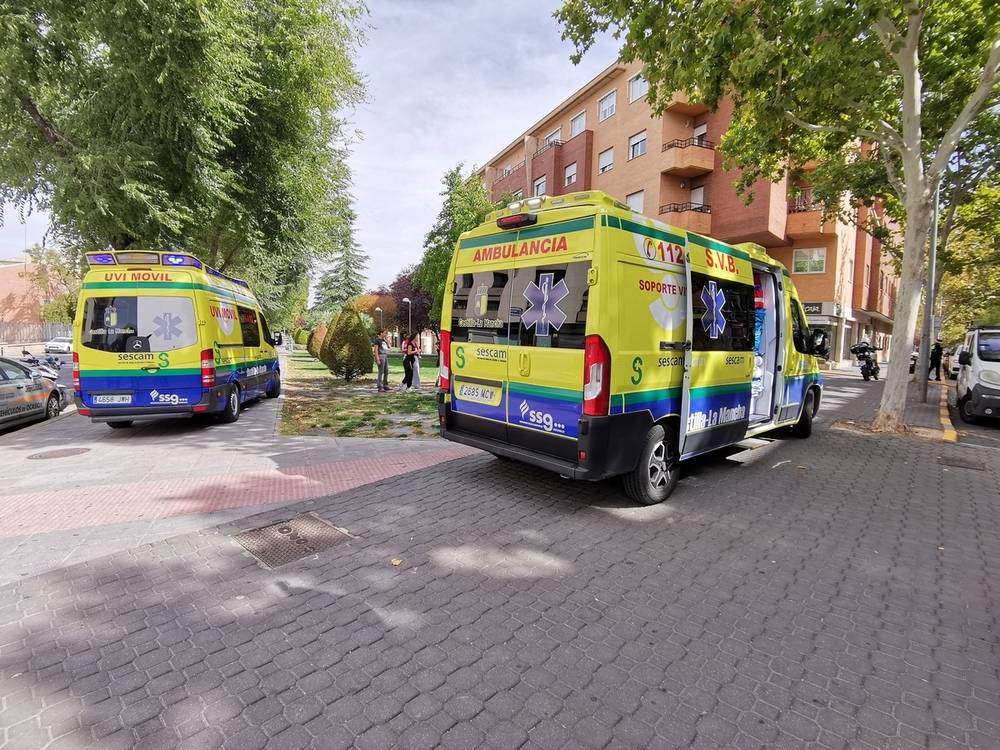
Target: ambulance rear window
point(138, 324)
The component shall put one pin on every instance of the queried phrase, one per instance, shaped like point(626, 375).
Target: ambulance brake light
point(596, 377)
point(76, 372)
point(207, 368)
point(445, 370)
point(517, 220)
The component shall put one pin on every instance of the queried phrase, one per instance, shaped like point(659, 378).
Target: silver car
point(59, 345)
point(25, 395)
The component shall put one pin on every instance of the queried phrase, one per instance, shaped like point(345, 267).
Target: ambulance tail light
point(207, 368)
point(445, 369)
point(76, 371)
point(596, 377)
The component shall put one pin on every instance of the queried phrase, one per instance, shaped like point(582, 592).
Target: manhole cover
point(61, 453)
point(290, 540)
point(962, 463)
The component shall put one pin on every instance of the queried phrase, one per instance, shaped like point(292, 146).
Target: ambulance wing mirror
point(277, 338)
point(820, 343)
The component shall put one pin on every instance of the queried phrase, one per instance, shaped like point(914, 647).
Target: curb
point(949, 434)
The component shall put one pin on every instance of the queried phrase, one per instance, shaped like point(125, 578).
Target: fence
point(20, 332)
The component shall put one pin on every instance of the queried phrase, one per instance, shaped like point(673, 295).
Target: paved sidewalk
point(836, 592)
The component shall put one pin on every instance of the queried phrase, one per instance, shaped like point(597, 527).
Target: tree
point(345, 279)
point(466, 203)
point(316, 340)
point(417, 313)
point(57, 281)
point(210, 128)
point(347, 349)
point(908, 78)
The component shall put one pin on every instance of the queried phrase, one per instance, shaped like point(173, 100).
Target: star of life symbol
point(713, 321)
point(168, 327)
point(544, 299)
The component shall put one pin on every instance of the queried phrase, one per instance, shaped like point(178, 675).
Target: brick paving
point(837, 592)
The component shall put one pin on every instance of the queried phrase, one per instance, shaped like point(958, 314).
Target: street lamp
point(379, 311)
point(409, 316)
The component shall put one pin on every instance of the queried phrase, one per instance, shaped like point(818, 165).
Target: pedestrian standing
point(381, 347)
point(407, 362)
point(415, 341)
point(935, 361)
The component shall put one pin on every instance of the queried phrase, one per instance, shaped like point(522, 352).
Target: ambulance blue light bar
point(101, 259)
point(170, 259)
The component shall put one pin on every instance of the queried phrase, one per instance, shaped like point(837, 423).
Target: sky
point(449, 82)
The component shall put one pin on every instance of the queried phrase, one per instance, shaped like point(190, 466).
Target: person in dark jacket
point(935, 361)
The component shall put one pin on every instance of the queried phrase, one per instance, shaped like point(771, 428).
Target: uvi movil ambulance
point(592, 341)
point(163, 335)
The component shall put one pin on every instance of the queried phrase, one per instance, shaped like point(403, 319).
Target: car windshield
point(989, 346)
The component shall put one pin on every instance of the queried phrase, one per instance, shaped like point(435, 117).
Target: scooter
point(43, 368)
point(867, 360)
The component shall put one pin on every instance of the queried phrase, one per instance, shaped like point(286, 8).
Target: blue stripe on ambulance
point(552, 410)
point(794, 393)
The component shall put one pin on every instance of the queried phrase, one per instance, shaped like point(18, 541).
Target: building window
point(606, 106)
point(578, 124)
point(635, 201)
point(700, 133)
point(811, 260)
point(605, 161)
point(555, 135)
point(637, 145)
point(571, 174)
point(637, 87)
point(507, 171)
point(540, 186)
point(698, 196)
point(517, 194)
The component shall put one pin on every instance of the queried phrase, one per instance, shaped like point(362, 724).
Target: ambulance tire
point(232, 411)
point(120, 423)
point(655, 477)
point(804, 427)
point(275, 386)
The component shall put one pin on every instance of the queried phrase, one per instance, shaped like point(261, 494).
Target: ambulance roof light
point(101, 259)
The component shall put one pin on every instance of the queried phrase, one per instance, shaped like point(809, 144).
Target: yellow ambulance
point(584, 338)
point(163, 335)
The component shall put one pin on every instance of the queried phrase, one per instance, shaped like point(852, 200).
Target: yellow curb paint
point(948, 432)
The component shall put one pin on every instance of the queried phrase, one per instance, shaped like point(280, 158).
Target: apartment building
point(604, 137)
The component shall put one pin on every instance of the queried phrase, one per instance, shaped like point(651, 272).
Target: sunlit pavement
point(829, 592)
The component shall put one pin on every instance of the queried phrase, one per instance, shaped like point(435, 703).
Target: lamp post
point(379, 311)
point(409, 316)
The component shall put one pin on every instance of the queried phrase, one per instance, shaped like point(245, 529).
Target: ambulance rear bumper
point(606, 447)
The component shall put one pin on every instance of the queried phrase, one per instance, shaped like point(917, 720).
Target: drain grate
point(962, 463)
point(290, 540)
point(61, 453)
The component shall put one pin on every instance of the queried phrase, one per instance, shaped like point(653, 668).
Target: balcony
point(507, 173)
point(694, 217)
point(680, 103)
point(546, 147)
point(805, 218)
point(688, 157)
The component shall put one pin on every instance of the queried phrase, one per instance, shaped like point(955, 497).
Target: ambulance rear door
point(715, 403)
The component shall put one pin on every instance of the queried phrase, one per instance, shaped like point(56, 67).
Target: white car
point(954, 366)
point(59, 345)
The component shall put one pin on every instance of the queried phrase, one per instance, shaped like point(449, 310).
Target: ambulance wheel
point(804, 427)
point(52, 407)
point(655, 477)
point(120, 423)
point(965, 410)
point(232, 411)
point(275, 386)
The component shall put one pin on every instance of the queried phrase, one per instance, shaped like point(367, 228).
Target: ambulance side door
point(715, 402)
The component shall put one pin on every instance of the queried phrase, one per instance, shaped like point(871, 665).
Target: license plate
point(477, 393)
point(117, 398)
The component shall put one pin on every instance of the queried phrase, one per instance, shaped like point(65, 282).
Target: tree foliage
point(466, 203)
point(415, 315)
point(886, 86)
point(55, 278)
point(211, 127)
point(316, 339)
point(347, 348)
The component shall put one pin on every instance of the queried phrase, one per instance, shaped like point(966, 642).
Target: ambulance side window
point(268, 336)
point(553, 305)
point(800, 329)
point(723, 314)
point(248, 326)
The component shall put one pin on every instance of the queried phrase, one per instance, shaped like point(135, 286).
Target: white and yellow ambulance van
point(163, 335)
point(592, 341)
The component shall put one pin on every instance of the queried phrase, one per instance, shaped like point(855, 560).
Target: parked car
point(953, 365)
point(25, 395)
point(59, 345)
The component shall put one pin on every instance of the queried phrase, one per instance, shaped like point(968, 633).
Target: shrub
point(300, 336)
point(316, 340)
point(347, 348)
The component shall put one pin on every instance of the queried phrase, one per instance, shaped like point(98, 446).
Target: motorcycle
point(867, 360)
point(44, 367)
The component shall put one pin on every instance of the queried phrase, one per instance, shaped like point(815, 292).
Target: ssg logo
point(543, 419)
